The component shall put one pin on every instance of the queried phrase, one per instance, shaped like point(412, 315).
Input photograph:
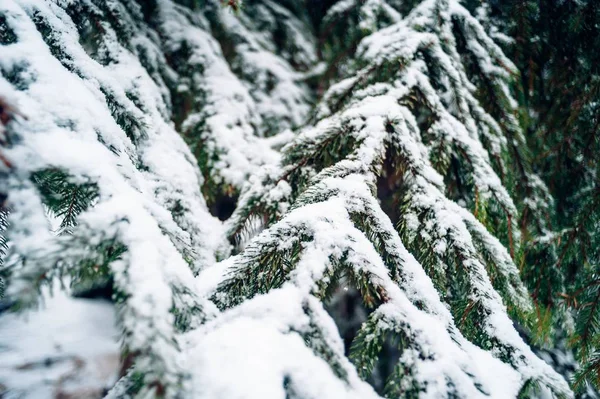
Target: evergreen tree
point(554, 45)
point(96, 148)
point(373, 253)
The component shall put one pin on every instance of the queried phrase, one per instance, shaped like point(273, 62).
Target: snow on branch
point(409, 94)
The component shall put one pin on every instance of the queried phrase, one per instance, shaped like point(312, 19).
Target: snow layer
point(335, 222)
point(77, 354)
point(115, 124)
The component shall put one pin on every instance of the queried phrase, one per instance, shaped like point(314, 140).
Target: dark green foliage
point(268, 269)
point(340, 32)
point(101, 25)
point(588, 371)
point(555, 48)
point(3, 244)
point(367, 349)
point(455, 264)
point(63, 196)
point(94, 273)
point(133, 125)
point(53, 40)
point(336, 145)
point(199, 139)
point(317, 342)
point(7, 36)
point(556, 246)
point(19, 75)
point(83, 261)
point(3, 226)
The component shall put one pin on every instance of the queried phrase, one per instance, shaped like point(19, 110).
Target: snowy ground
point(67, 349)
